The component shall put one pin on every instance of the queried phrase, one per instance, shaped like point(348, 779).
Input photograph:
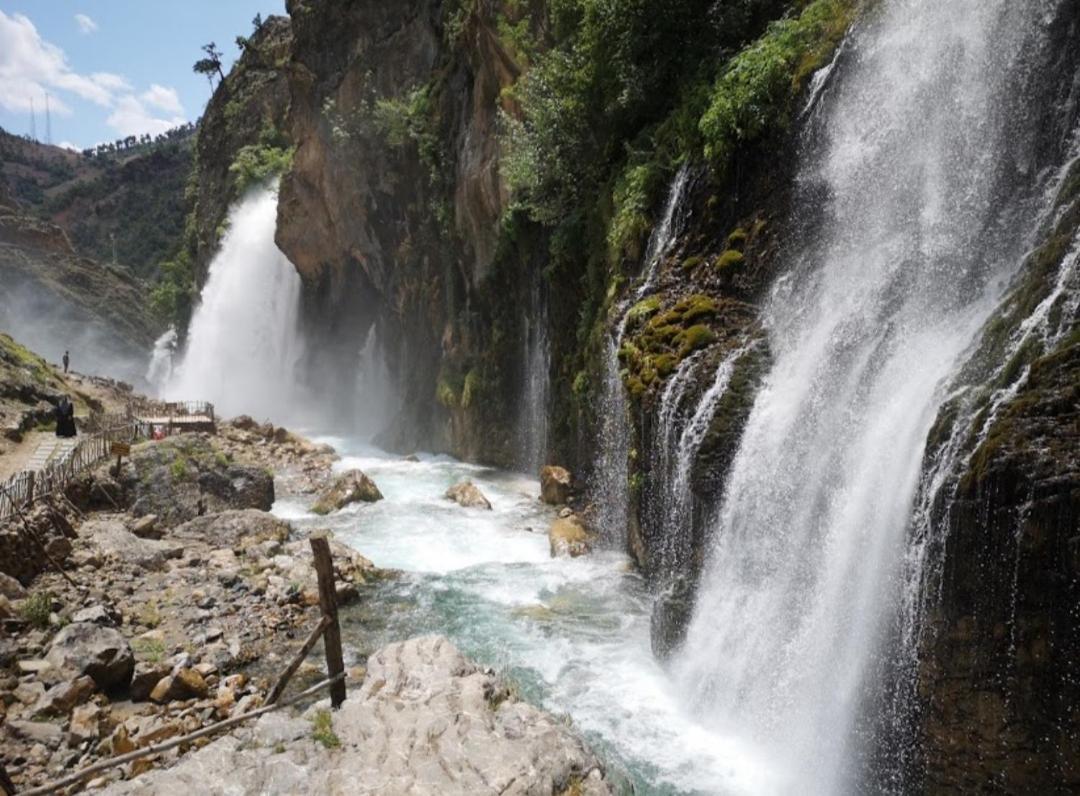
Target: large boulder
point(100, 652)
point(236, 529)
point(426, 721)
point(555, 485)
point(568, 537)
point(185, 476)
point(467, 494)
point(111, 539)
point(350, 487)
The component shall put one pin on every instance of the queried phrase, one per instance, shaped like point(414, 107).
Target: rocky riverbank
point(182, 598)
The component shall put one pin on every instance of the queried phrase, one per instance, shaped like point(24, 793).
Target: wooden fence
point(24, 488)
point(99, 432)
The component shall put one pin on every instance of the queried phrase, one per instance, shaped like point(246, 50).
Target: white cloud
point(30, 67)
point(86, 25)
point(131, 117)
point(163, 98)
point(69, 145)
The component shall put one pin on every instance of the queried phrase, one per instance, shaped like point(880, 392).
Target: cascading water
point(681, 427)
point(244, 342)
point(611, 488)
point(533, 428)
point(159, 371)
point(916, 147)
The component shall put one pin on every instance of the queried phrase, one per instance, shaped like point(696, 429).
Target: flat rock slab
point(426, 721)
point(111, 538)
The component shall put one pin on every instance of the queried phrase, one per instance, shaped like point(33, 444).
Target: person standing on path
point(67, 359)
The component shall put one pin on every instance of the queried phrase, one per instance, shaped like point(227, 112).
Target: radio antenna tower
point(33, 121)
point(48, 122)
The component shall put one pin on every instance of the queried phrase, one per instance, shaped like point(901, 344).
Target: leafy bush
point(323, 729)
point(36, 608)
point(754, 94)
point(259, 162)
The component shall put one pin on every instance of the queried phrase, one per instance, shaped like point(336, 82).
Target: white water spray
point(244, 343)
point(880, 307)
point(610, 488)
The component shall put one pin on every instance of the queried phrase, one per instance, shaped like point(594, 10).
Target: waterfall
point(533, 428)
point(681, 426)
point(610, 482)
point(244, 342)
point(918, 148)
point(159, 371)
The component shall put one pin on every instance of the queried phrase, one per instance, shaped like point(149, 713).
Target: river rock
point(185, 476)
point(146, 527)
point(240, 528)
point(42, 732)
point(146, 675)
point(467, 494)
point(100, 652)
point(11, 588)
point(555, 483)
point(62, 697)
point(85, 724)
point(350, 487)
point(568, 537)
point(111, 539)
point(426, 721)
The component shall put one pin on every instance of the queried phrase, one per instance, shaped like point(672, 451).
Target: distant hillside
point(126, 207)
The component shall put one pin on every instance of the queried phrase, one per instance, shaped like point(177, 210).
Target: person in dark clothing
point(67, 360)
point(65, 418)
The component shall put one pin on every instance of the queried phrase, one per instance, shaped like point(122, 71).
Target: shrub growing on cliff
point(256, 163)
point(755, 92)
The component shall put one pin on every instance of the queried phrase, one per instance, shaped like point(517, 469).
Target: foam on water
point(574, 633)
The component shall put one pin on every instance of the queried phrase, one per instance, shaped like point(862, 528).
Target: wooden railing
point(99, 433)
point(24, 488)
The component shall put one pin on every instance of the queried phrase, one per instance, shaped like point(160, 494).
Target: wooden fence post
point(324, 569)
point(29, 486)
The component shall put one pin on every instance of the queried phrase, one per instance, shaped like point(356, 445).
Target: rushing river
point(571, 634)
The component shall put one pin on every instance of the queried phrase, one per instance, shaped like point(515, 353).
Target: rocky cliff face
point(56, 300)
point(125, 208)
point(391, 213)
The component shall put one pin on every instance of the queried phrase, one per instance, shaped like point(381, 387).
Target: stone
point(349, 487)
point(100, 652)
point(451, 728)
point(11, 588)
point(42, 732)
point(62, 697)
point(113, 540)
point(121, 742)
point(164, 690)
point(467, 494)
point(58, 548)
point(185, 683)
point(34, 666)
point(85, 724)
point(555, 485)
point(242, 528)
point(29, 693)
point(568, 537)
point(6, 611)
point(146, 527)
point(191, 683)
point(146, 675)
point(96, 614)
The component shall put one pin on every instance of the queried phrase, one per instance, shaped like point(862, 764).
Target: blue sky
point(112, 68)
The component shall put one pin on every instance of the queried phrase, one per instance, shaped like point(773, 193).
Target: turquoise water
point(571, 634)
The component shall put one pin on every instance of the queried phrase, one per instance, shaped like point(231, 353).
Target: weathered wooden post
point(29, 487)
point(324, 569)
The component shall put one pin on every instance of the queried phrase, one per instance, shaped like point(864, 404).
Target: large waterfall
point(244, 343)
point(918, 204)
